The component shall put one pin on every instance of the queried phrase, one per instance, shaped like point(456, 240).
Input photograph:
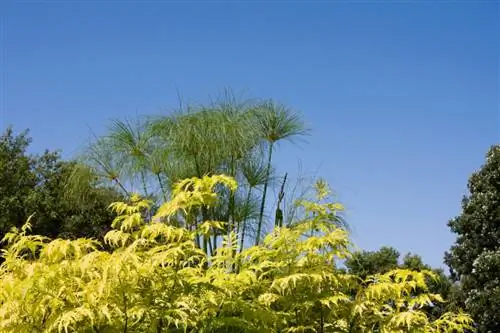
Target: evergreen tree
point(474, 259)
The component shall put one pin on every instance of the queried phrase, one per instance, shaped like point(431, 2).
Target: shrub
point(157, 279)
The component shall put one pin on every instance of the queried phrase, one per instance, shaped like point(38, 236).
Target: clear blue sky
point(402, 99)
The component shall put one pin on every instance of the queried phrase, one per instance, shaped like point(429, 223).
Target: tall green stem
point(144, 185)
point(210, 247)
point(244, 226)
point(213, 242)
point(117, 181)
point(231, 223)
point(278, 220)
point(263, 202)
point(164, 193)
point(205, 243)
point(214, 239)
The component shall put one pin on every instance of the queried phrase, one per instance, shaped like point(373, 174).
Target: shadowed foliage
point(474, 259)
point(40, 185)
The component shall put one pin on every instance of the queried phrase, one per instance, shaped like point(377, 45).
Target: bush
point(157, 279)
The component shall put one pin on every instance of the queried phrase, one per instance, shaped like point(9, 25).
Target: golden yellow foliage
point(157, 279)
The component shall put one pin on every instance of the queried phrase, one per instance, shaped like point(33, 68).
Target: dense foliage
point(184, 250)
point(474, 259)
point(226, 137)
point(31, 184)
point(365, 263)
point(156, 278)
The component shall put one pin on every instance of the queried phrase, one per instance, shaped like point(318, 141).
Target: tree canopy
point(39, 185)
point(474, 259)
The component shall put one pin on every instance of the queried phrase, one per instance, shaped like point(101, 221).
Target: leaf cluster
point(157, 278)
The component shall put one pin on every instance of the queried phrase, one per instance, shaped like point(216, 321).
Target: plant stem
point(263, 202)
point(214, 237)
point(230, 216)
point(144, 185)
point(322, 324)
point(210, 247)
point(278, 220)
point(164, 193)
point(205, 244)
point(117, 181)
point(247, 203)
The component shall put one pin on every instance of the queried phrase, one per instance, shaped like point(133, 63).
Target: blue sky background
point(402, 99)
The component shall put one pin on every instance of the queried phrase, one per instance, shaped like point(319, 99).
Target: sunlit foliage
point(156, 278)
point(227, 136)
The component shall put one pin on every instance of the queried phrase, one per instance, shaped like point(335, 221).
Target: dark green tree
point(474, 259)
point(366, 263)
point(16, 178)
point(43, 185)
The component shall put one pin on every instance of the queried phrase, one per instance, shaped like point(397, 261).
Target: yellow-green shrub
point(156, 279)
